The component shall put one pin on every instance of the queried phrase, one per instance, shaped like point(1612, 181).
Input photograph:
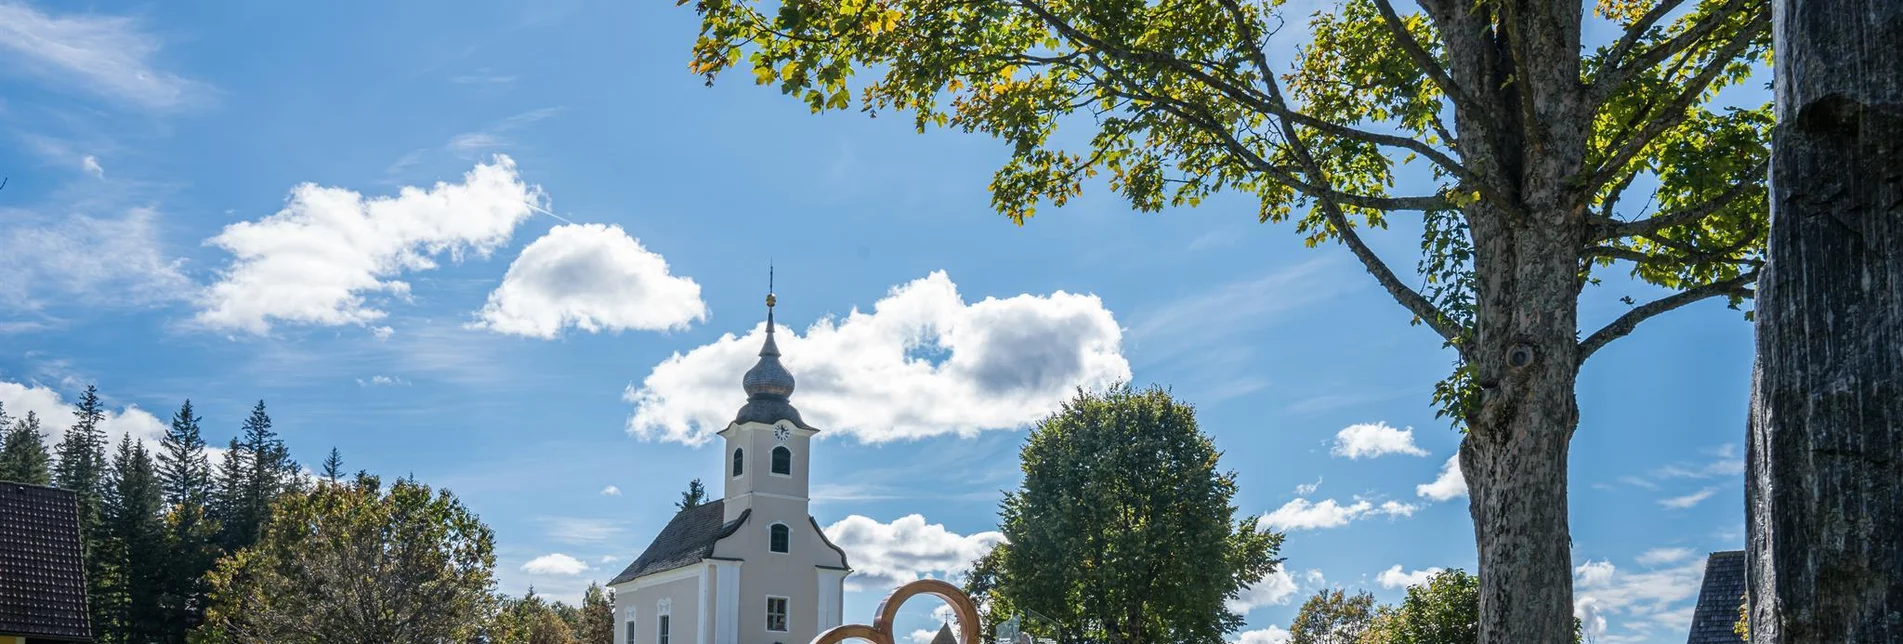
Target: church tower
point(751, 567)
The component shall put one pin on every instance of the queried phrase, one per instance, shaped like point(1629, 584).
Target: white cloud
point(591, 277)
point(382, 380)
point(611, 491)
point(1271, 635)
point(93, 261)
point(1689, 500)
point(1300, 514)
point(1394, 578)
point(1368, 440)
point(1273, 590)
point(56, 415)
point(610, 558)
point(1448, 485)
point(1608, 598)
point(557, 564)
point(1006, 363)
point(91, 165)
point(886, 555)
point(1306, 489)
point(106, 55)
point(1660, 556)
point(315, 261)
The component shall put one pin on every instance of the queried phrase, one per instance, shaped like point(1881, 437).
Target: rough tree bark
point(1825, 486)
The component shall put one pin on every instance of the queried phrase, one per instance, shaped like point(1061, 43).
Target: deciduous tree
point(420, 558)
point(1825, 488)
point(1123, 530)
point(1543, 154)
point(1334, 617)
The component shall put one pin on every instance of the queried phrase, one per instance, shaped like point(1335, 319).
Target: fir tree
point(82, 469)
point(334, 466)
point(23, 457)
point(183, 469)
point(190, 532)
point(228, 485)
point(134, 548)
point(693, 497)
point(261, 470)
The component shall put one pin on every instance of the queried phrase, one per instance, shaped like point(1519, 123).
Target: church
point(752, 567)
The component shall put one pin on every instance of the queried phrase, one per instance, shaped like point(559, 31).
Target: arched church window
point(777, 538)
point(739, 462)
point(782, 460)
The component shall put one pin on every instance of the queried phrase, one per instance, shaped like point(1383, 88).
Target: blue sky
point(519, 252)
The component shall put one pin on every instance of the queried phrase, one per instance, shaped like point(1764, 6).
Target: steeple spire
point(768, 379)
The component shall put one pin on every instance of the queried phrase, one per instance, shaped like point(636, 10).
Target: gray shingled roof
point(1718, 600)
point(688, 538)
point(42, 573)
point(945, 635)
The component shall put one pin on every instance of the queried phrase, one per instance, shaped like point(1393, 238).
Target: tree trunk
point(1825, 487)
point(1514, 455)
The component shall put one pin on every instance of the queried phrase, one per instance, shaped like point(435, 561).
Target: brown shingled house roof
point(42, 574)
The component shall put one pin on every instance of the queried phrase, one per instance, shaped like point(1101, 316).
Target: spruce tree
point(23, 457)
point(334, 466)
point(255, 472)
point(135, 549)
point(82, 469)
point(228, 485)
point(183, 469)
point(190, 531)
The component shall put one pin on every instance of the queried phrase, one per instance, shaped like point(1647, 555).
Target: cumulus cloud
point(56, 415)
point(78, 258)
point(923, 363)
point(1689, 500)
point(1448, 485)
point(1368, 440)
point(1275, 589)
point(1394, 578)
point(886, 555)
point(556, 564)
point(1306, 489)
point(1618, 604)
point(1301, 514)
point(1271, 635)
point(591, 277)
point(315, 261)
point(91, 165)
point(611, 491)
point(106, 55)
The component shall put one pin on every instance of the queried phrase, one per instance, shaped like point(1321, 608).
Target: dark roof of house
point(42, 573)
point(688, 538)
point(1718, 600)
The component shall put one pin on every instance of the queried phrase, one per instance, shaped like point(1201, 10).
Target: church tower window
point(782, 460)
point(739, 462)
point(777, 538)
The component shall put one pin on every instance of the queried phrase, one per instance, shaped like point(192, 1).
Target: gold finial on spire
point(769, 286)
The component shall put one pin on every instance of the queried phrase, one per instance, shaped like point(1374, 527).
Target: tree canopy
point(423, 559)
point(1123, 530)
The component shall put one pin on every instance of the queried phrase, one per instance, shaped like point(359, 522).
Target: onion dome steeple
point(768, 383)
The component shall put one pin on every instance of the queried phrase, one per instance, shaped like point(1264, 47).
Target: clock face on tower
point(780, 434)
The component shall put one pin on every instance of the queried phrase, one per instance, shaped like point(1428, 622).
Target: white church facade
point(752, 567)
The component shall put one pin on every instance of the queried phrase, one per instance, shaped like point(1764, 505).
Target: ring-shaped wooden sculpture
point(880, 632)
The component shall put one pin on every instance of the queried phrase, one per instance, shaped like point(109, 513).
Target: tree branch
point(1678, 109)
point(1615, 229)
point(1421, 58)
point(1736, 286)
point(1614, 59)
point(1617, 72)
